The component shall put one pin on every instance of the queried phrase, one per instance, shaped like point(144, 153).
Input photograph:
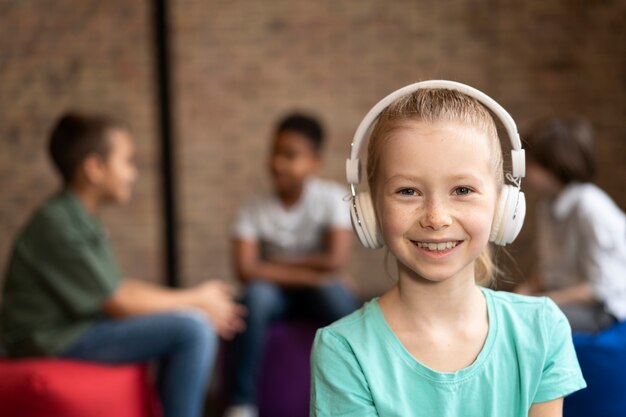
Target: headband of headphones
point(353, 165)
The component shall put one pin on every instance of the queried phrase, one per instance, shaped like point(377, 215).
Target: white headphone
point(511, 209)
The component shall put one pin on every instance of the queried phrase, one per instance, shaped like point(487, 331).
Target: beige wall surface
point(239, 65)
point(85, 55)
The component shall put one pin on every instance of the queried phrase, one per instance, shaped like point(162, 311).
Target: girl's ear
point(93, 168)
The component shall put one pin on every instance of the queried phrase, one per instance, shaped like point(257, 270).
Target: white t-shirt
point(297, 230)
point(582, 238)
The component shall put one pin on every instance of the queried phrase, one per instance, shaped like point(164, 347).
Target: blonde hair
point(433, 106)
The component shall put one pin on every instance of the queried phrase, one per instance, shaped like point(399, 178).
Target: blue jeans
point(268, 303)
point(183, 343)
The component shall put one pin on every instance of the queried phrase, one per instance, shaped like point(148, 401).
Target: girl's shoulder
point(535, 333)
point(514, 303)
point(523, 314)
point(365, 316)
point(361, 326)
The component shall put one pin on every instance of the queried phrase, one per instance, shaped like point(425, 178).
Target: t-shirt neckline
point(295, 209)
point(442, 377)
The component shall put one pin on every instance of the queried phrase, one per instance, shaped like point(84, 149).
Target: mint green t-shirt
point(360, 368)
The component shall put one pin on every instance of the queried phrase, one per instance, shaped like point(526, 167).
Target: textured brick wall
point(238, 65)
point(241, 64)
point(90, 55)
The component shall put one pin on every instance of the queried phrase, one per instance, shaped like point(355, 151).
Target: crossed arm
point(307, 271)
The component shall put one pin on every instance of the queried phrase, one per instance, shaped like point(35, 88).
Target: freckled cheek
point(394, 220)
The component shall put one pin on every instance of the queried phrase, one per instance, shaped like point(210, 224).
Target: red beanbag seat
point(61, 388)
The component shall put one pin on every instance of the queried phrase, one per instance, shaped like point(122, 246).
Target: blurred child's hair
point(434, 106)
point(76, 136)
point(565, 147)
point(307, 126)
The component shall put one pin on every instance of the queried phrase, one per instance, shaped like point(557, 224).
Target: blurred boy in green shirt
point(64, 295)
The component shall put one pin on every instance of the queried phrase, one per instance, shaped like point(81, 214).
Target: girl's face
point(435, 199)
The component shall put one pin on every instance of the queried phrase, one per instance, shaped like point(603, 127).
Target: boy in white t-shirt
point(581, 231)
point(289, 248)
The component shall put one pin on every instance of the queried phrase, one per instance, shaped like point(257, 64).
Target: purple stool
point(285, 379)
point(285, 375)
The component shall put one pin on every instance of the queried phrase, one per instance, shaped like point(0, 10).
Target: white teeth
point(436, 246)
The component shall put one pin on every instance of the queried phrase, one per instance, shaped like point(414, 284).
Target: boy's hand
point(216, 299)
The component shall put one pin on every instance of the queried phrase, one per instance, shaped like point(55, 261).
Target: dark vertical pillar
point(164, 114)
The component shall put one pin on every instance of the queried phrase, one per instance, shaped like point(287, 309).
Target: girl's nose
point(435, 215)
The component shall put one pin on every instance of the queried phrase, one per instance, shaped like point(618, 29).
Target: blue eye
point(462, 191)
point(407, 191)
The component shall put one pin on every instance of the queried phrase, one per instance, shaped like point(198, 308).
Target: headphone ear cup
point(364, 221)
point(509, 216)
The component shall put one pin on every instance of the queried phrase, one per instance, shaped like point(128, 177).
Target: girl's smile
point(437, 250)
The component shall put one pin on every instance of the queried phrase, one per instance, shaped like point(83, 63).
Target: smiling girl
point(438, 343)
